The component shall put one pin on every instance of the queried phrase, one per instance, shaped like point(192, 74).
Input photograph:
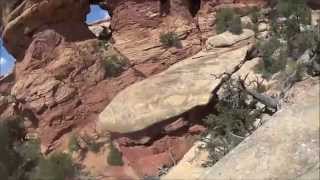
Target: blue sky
point(96, 13)
point(7, 61)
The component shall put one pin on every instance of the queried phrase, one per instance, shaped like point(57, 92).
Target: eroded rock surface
point(138, 25)
point(161, 116)
point(227, 39)
point(180, 88)
point(29, 17)
point(65, 84)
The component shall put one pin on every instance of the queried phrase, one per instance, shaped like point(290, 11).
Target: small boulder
point(227, 39)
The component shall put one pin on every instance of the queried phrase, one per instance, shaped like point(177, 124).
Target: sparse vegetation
point(255, 15)
point(232, 121)
point(21, 159)
point(104, 44)
point(114, 157)
point(92, 145)
point(114, 65)
point(295, 13)
point(169, 39)
point(295, 33)
point(228, 20)
point(73, 143)
point(274, 57)
point(58, 166)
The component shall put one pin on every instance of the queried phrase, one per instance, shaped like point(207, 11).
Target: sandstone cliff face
point(137, 26)
point(59, 75)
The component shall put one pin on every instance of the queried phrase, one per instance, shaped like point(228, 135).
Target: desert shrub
point(169, 39)
point(103, 44)
point(274, 57)
point(296, 69)
point(255, 15)
point(114, 157)
point(294, 9)
point(296, 12)
point(73, 143)
point(9, 159)
point(302, 41)
point(231, 123)
point(58, 166)
point(114, 65)
point(22, 160)
point(236, 25)
point(30, 150)
point(228, 20)
point(92, 144)
point(17, 158)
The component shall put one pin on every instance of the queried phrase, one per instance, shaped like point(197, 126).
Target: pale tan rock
point(190, 166)
point(286, 147)
point(246, 20)
point(101, 29)
point(315, 17)
point(182, 87)
point(227, 39)
point(263, 27)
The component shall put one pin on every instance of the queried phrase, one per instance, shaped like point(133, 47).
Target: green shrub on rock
point(114, 157)
point(58, 166)
point(114, 65)
point(255, 15)
point(169, 39)
point(296, 13)
point(232, 121)
point(228, 20)
point(274, 57)
point(236, 25)
point(73, 143)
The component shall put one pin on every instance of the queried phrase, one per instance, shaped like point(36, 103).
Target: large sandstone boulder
point(180, 88)
point(286, 147)
point(227, 39)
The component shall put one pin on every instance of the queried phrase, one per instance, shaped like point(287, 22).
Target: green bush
point(228, 20)
point(114, 65)
point(17, 158)
point(295, 9)
point(114, 157)
point(299, 43)
point(58, 166)
point(274, 57)
point(30, 150)
point(73, 143)
point(296, 12)
point(22, 160)
point(236, 25)
point(92, 144)
point(255, 15)
point(103, 44)
point(232, 121)
point(169, 39)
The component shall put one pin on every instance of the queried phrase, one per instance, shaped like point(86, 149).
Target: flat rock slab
point(286, 147)
point(227, 39)
point(182, 87)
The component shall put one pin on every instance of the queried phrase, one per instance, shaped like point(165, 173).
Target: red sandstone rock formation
point(60, 78)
